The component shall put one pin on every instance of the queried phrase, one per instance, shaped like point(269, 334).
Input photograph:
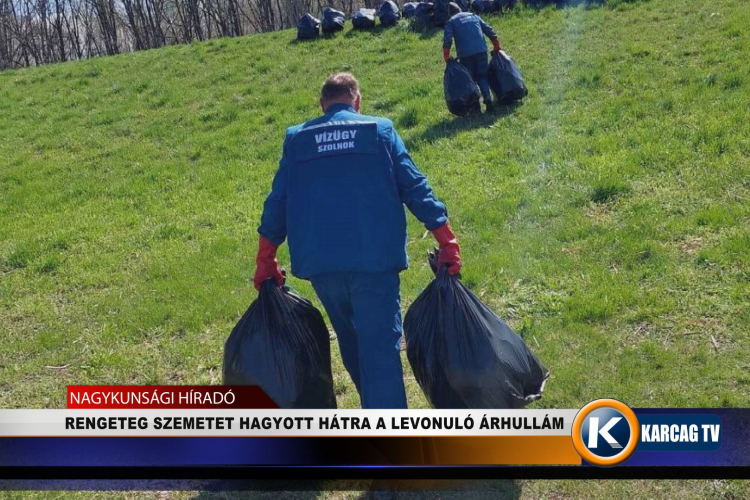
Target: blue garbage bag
point(308, 27)
point(484, 6)
point(333, 20)
point(460, 89)
point(423, 14)
point(409, 10)
point(463, 355)
point(389, 13)
point(364, 19)
point(440, 12)
point(505, 79)
point(282, 345)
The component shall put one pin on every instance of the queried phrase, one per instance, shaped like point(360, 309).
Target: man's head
point(340, 88)
point(454, 8)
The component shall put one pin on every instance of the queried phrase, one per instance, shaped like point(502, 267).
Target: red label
point(167, 396)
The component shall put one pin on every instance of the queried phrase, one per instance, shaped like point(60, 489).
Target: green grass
point(606, 218)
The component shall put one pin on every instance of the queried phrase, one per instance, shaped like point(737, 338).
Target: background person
point(469, 31)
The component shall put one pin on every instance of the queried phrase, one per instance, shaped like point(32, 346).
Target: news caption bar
point(260, 423)
point(192, 432)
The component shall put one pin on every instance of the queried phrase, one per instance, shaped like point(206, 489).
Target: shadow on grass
point(376, 31)
point(425, 31)
point(450, 126)
point(496, 489)
point(297, 41)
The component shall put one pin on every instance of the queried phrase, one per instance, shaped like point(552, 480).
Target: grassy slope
point(606, 218)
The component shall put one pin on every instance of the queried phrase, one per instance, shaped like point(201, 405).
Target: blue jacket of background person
point(468, 29)
point(339, 195)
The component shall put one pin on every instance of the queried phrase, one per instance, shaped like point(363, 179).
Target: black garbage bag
point(333, 20)
point(465, 5)
point(461, 93)
point(389, 13)
point(308, 27)
point(484, 6)
point(282, 345)
point(441, 12)
point(505, 79)
point(364, 19)
point(423, 14)
point(409, 10)
point(463, 355)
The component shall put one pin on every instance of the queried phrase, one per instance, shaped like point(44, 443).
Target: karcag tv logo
point(605, 432)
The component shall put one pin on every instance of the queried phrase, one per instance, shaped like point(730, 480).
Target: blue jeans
point(479, 67)
point(365, 311)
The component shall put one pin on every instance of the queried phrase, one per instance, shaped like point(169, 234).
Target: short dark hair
point(339, 85)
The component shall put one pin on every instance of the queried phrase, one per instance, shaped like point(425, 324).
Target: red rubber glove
point(449, 252)
point(496, 45)
point(266, 264)
point(446, 54)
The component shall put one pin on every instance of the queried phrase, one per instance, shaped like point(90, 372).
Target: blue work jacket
point(469, 30)
point(339, 195)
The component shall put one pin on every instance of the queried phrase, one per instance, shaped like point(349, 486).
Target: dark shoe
point(490, 107)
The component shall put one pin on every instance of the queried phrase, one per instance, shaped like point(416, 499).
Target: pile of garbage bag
point(463, 355)
point(282, 345)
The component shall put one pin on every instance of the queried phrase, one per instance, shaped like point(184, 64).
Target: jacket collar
point(339, 106)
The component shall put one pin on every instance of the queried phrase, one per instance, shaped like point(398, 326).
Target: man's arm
point(413, 188)
point(417, 194)
point(272, 230)
point(447, 40)
point(273, 221)
point(490, 33)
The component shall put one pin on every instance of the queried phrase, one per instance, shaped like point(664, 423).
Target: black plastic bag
point(389, 13)
point(333, 21)
point(463, 355)
point(464, 5)
point(461, 93)
point(441, 12)
point(409, 10)
point(423, 14)
point(282, 345)
point(484, 6)
point(364, 19)
point(505, 79)
point(308, 27)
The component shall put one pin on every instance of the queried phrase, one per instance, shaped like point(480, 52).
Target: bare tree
point(44, 31)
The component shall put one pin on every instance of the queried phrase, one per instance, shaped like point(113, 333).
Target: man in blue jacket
point(338, 198)
point(469, 31)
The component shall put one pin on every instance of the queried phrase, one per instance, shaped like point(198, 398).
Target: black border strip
point(370, 472)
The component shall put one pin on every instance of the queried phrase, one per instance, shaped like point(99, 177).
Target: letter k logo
point(594, 432)
point(615, 423)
